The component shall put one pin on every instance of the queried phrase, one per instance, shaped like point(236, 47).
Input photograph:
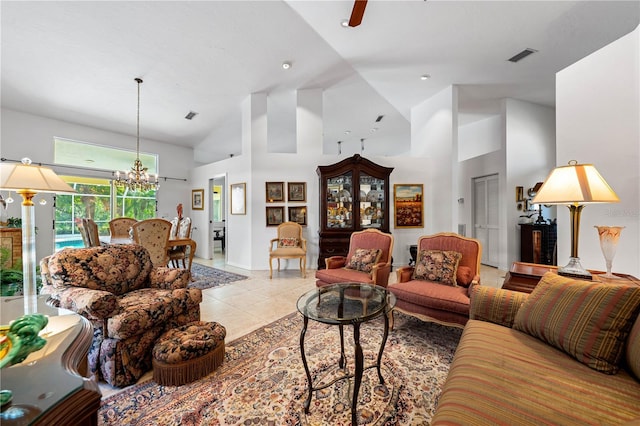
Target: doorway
point(486, 208)
point(217, 219)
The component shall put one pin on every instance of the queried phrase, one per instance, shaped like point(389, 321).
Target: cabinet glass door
point(340, 201)
point(372, 201)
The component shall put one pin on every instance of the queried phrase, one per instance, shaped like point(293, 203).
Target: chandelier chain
point(137, 179)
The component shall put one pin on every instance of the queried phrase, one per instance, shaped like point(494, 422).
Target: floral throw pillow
point(288, 242)
point(364, 259)
point(437, 265)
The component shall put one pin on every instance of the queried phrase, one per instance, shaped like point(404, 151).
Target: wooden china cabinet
point(354, 195)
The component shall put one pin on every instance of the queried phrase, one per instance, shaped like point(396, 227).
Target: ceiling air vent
point(520, 56)
point(190, 115)
point(379, 119)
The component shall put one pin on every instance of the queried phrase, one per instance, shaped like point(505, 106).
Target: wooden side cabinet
point(354, 195)
point(524, 276)
point(11, 240)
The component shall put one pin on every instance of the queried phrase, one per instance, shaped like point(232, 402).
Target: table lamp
point(27, 180)
point(575, 185)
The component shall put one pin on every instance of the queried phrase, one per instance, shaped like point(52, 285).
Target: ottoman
point(187, 353)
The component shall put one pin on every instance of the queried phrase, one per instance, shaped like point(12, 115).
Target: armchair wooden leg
point(270, 268)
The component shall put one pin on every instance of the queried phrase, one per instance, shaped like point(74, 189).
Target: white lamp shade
point(575, 184)
point(26, 176)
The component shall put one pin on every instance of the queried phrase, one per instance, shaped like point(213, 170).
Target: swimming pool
point(73, 243)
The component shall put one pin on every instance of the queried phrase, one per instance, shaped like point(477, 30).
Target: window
point(97, 198)
point(94, 199)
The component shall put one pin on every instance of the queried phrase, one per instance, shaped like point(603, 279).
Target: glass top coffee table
point(344, 304)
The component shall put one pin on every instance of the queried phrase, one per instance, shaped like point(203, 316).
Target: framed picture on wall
point(238, 198)
point(297, 191)
point(275, 216)
point(197, 199)
point(298, 214)
point(408, 205)
point(274, 192)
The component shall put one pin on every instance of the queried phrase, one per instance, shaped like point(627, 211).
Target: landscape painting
point(408, 206)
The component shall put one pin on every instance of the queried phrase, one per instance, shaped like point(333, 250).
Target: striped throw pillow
point(589, 321)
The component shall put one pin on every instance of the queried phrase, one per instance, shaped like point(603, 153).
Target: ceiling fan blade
point(357, 13)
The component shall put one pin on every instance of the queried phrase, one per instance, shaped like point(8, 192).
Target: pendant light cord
point(139, 81)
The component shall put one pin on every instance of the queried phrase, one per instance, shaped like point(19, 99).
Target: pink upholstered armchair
point(368, 261)
point(438, 287)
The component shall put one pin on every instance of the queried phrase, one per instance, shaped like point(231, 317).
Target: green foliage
point(11, 278)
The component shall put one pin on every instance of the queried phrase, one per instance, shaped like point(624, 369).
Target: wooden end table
point(525, 276)
point(47, 386)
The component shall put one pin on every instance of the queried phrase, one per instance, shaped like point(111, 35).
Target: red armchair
point(430, 297)
point(368, 261)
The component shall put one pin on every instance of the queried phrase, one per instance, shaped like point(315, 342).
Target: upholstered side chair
point(181, 252)
point(368, 261)
point(153, 234)
point(438, 287)
point(289, 244)
point(92, 234)
point(120, 227)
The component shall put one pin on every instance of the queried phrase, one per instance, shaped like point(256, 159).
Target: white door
point(485, 217)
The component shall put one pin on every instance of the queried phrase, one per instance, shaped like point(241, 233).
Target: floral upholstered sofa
point(129, 302)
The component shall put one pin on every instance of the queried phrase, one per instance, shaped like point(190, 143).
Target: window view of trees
point(95, 199)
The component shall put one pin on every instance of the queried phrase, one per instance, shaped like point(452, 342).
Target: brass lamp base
point(574, 269)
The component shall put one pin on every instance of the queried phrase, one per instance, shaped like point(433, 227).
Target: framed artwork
point(275, 192)
point(275, 216)
point(197, 199)
point(297, 191)
point(408, 206)
point(298, 214)
point(238, 198)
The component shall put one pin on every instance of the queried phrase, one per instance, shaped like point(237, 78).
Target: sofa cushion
point(633, 349)
point(495, 305)
point(288, 242)
point(433, 295)
point(437, 265)
point(364, 259)
point(147, 308)
point(589, 321)
point(500, 376)
point(115, 268)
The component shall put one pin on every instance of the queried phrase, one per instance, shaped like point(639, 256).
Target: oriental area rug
point(262, 380)
point(208, 277)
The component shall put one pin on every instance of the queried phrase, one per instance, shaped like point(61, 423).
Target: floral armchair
point(128, 301)
point(368, 261)
point(289, 244)
point(437, 289)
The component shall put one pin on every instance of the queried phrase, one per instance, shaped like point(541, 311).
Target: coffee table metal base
point(359, 364)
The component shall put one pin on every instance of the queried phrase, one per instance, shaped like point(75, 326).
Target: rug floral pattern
point(207, 277)
point(262, 381)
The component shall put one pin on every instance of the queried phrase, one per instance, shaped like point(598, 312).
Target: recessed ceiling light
point(344, 23)
point(373, 129)
point(286, 65)
point(346, 132)
point(425, 76)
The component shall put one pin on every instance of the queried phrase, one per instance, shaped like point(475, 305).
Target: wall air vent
point(379, 119)
point(520, 56)
point(190, 115)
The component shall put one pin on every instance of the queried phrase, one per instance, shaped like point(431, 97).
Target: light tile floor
point(244, 306)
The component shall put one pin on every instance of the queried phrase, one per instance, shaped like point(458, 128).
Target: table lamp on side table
point(27, 180)
point(575, 185)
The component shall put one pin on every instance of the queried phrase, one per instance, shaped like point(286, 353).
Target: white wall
point(26, 135)
point(480, 137)
point(598, 120)
point(530, 155)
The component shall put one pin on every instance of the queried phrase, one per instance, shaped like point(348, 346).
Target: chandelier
point(137, 179)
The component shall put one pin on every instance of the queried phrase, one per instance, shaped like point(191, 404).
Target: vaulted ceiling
point(76, 62)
